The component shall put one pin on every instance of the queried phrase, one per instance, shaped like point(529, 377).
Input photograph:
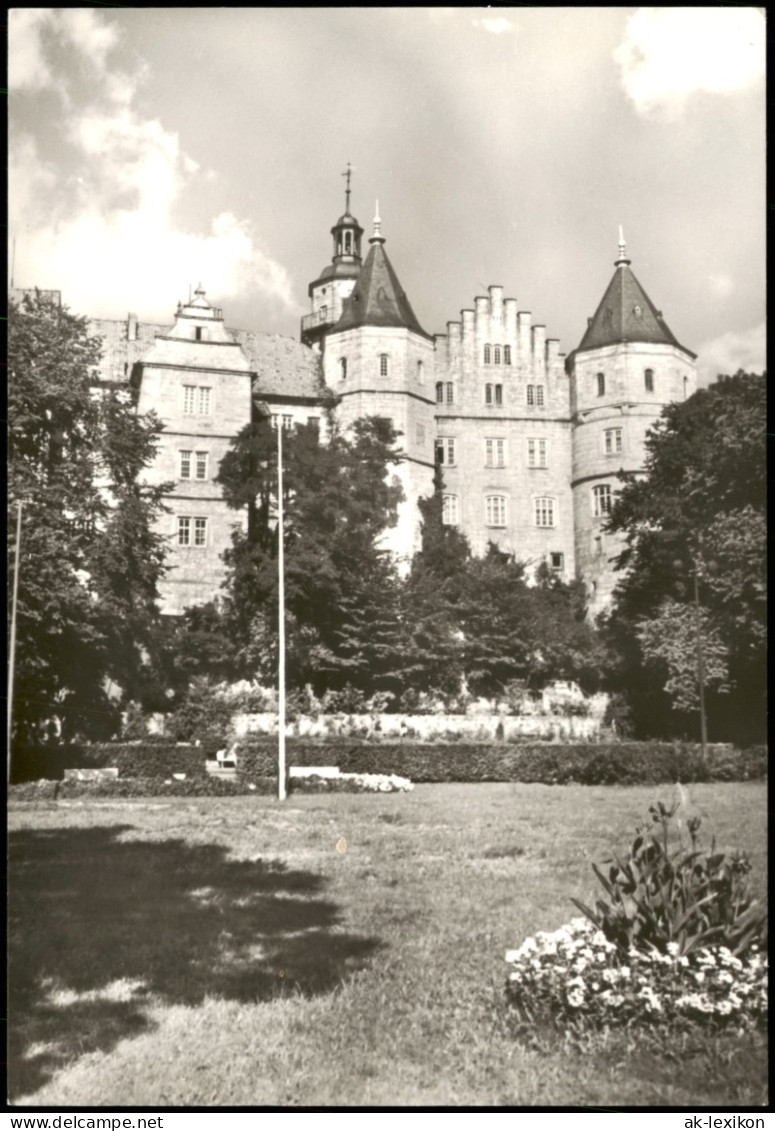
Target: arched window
point(601, 384)
point(383, 365)
point(420, 372)
point(450, 393)
point(507, 355)
point(496, 355)
point(648, 380)
point(348, 242)
point(343, 368)
point(540, 396)
point(498, 390)
point(487, 355)
point(439, 392)
point(495, 510)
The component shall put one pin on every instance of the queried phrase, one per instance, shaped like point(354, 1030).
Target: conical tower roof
point(378, 299)
point(627, 314)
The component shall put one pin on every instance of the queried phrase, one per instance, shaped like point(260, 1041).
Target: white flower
point(672, 949)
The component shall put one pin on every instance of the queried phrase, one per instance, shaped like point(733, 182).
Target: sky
point(152, 149)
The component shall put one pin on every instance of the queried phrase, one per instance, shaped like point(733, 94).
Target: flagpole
point(280, 619)
point(12, 643)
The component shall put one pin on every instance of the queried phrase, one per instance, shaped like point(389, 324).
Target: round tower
point(627, 367)
point(379, 361)
point(336, 281)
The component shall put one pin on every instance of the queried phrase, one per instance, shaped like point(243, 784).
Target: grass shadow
point(100, 925)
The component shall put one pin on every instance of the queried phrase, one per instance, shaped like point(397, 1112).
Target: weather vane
point(347, 173)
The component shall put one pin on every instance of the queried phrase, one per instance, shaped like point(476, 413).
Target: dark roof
point(627, 314)
point(377, 299)
point(283, 367)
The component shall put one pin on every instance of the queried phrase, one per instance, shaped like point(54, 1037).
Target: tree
point(700, 507)
point(90, 561)
point(340, 585)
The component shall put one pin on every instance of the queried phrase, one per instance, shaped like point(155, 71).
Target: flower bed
point(575, 977)
point(331, 780)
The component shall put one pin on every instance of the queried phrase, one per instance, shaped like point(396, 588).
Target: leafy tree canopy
point(700, 507)
point(90, 561)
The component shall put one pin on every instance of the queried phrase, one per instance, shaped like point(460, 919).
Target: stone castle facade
point(530, 442)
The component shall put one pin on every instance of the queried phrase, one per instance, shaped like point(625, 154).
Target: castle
point(530, 442)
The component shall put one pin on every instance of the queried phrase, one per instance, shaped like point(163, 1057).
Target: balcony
point(316, 319)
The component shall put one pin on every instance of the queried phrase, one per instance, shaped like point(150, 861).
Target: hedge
point(627, 763)
point(141, 787)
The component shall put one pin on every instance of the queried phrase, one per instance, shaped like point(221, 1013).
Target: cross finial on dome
point(347, 173)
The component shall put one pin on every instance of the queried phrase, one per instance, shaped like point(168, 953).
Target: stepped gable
point(283, 366)
point(378, 299)
point(627, 314)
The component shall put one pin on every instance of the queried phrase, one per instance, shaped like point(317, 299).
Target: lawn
point(341, 950)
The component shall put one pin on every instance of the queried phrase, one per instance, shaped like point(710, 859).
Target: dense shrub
point(165, 787)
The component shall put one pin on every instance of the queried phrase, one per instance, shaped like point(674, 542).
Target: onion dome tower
point(336, 281)
point(627, 367)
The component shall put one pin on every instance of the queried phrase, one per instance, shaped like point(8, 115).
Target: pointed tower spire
point(377, 237)
point(622, 259)
point(347, 173)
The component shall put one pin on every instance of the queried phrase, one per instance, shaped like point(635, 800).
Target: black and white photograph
point(386, 527)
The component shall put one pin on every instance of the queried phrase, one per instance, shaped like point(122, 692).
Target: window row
point(496, 511)
point(648, 382)
point(383, 368)
point(544, 508)
point(497, 355)
point(494, 451)
point(493, 394)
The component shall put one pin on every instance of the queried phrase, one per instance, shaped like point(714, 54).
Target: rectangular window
point(495, 453)
point(499, 394)
point(536, 453)
point(450, 393)
point(189, 393)
point(507, 355)
point(613, 441)
point(314, 422)
point(184, 531)
point(600, 384)
point(439, 392)
point(488, 394)
point(540, 396)
point(601, 500)
point(445, 451)
point(648, 380)
point(544, 512)
point(449, 512)
point(200, 531)
point(202, 460)
point(185, 465)
point(556, 562)
point(495, 510)
point(383, 365)
point(531, 394)
point(203, 406)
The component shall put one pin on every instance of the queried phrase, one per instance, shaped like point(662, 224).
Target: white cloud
point(27, 66)
point(736, 349)
point(106, 234)
point(671, 53)
point(496, 25)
